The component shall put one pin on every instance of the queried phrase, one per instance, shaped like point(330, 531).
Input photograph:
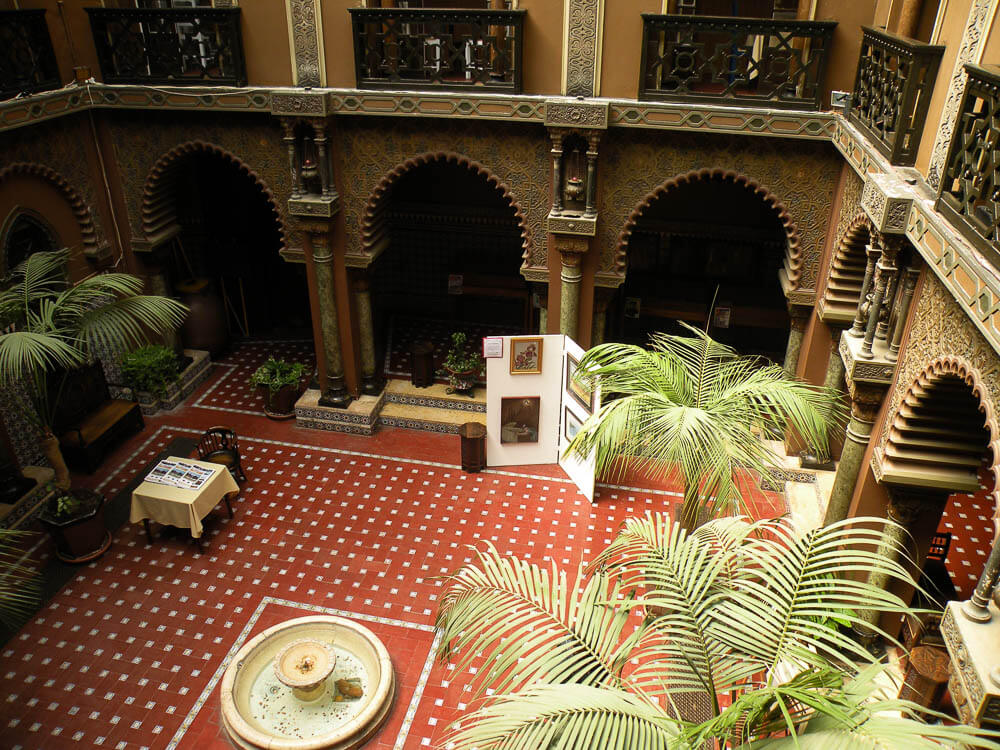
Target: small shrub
point(151, 368)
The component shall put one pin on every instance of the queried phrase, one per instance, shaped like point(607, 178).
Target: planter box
point(180, 389)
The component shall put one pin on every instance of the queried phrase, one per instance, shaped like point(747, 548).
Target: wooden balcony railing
point(27, 62)
point(175, 46)
point(749, 61)
point(446, 49)
point(892, 90)
point(970, 185)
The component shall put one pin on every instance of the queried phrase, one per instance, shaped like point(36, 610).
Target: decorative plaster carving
point(887, 200)
point(307, 35)
point(960, 660)
point(574, 114)
point(969, 51)
point(299, 104)
point(585, 225)
point(739, 121)
point(583, 23)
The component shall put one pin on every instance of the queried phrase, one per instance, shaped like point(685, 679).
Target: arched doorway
point(25, 233)
point(701, 237)
point(225, 231)
point(452, 241)
point(941, 449)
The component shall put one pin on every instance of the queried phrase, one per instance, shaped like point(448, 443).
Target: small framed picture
point(526, 356)
point(572, 423)
point(519, 419)
point(583, 395)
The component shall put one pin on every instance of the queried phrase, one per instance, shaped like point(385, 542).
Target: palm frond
point(528, 623)
point(24, 353)
point(566, 717)
point(20, 586)
point(128, 321)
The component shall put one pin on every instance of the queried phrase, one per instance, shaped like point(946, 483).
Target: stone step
point(429, 418)
point(434, 396)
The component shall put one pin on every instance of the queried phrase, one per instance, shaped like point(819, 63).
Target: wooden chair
point(219, 445)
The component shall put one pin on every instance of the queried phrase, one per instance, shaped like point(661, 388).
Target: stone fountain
point(308, 683)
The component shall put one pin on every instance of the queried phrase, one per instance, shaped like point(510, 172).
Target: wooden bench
point(87, 420)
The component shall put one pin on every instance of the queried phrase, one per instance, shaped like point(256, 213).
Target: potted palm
point(463, 367)
point(279, 383)
point(692, 409)
point(51, 326)
point(75, 520)
point(732, 643)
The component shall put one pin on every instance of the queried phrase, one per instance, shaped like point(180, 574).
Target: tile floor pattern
point(404, 331)
point(969, 519)
point(230, 391)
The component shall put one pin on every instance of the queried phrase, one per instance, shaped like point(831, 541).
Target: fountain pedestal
point(304, 666)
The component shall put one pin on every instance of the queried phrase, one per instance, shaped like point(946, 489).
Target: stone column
point(977, 608)
point(874, 252)
point(602, 297)
point(571, 250)
point(591, 205)
point(885, 269)
point(319, 138)
point(288, 128)
point(864, 408)
point(909, 284)
point(371, 379)
point(799, 318)
point(542, 290)
point(909, 17)
point(556, 172)
point(335, 393)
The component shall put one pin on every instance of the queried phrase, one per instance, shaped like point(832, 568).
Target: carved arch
point(847, 271)
point(373, 228)
point(81, 211)
point(915, 401)
point(793, 251)
point(159, 194)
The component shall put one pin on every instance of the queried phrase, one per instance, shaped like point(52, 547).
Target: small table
point(182, 507)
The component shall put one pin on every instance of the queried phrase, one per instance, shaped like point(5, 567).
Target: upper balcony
point(970, 185)
point(27, 61)
point(438, 49)
point(173, 46)
point(735, 61)
point(892, 90)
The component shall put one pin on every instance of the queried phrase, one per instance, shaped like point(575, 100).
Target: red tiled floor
point(364, 525)
point(969, 520)
point(404, 331)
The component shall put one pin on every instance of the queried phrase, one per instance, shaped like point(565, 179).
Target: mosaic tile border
point(418, 691)
point(436, 403)
point(419, 424)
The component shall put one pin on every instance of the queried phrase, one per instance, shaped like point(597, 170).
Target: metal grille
point(27, 62)
point(892, 90)
point(177, 46)
point(970, 187)
point(396, 47)
point(757, 61)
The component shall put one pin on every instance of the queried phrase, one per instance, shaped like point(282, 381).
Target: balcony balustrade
point(174, 46)
point(441, 49)
point(892, 90)
point(27, 62)
point(970, 185)
point(749, 61)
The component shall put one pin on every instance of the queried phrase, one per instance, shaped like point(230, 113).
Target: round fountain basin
point(262, 710)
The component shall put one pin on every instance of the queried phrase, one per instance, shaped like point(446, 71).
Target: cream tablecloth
point(182, 507)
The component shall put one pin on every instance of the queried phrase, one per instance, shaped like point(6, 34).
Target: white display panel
point(573, 413)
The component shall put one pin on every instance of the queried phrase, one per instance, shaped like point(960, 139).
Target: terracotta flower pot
point(82, 536)
point(280, 404)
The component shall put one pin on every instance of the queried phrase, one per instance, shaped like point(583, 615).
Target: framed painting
point(519, 419)
point(526, 356)
point(583, 395)
point(572, 424)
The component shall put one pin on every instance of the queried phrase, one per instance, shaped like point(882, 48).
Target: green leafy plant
point(20, 585)
point(51, 326)
point(693, 409)
point(462, 366)
point(275, 374)
point(151, 368)
point(673, 640)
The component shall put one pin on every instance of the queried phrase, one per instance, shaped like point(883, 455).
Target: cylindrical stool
point(926, 677)
point(422, 364)
point(473, 436)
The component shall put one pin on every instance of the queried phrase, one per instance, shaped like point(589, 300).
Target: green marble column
point(335, 393)
point(834, 367)
point(795, 335)
point(571, 250)
point(859, 431)
point(371, 381)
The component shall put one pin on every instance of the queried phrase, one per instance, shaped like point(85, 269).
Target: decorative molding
point(819, 126)
point(886, 200)
point(582, 32)
point(576, 114)
point(970, 51)
point(314, 205)
point(570, 224)
point(864, 371)
point(305, 29)
point(299, 103)
point(433, 104)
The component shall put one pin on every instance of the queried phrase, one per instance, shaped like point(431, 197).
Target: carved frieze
point(299, 104)
point(569, 224)
point(878, 372)
point(307, 42)
point(583, 36)
point(314, 205)
point(576, 114)
point(886, 200)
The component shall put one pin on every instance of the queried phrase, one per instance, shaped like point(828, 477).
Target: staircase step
point(429, 418)
point(435, 396)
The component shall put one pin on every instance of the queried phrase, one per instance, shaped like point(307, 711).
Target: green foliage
point(53, 326)
point(461, 361)
point(692, 409)
point(151, 368)
point(275, 374)
point(19, 583)
point(732, 611)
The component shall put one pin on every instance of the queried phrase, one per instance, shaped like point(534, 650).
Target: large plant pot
point(280, 404)
point(205, 326)
point(82, 537)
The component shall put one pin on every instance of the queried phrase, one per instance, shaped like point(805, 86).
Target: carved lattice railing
point(195, 46)
point(970, 187)
point(27, 62)
point(734, 60)
point(892, 90)
point(448, 49)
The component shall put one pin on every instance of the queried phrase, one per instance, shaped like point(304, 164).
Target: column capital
point(571, 248)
